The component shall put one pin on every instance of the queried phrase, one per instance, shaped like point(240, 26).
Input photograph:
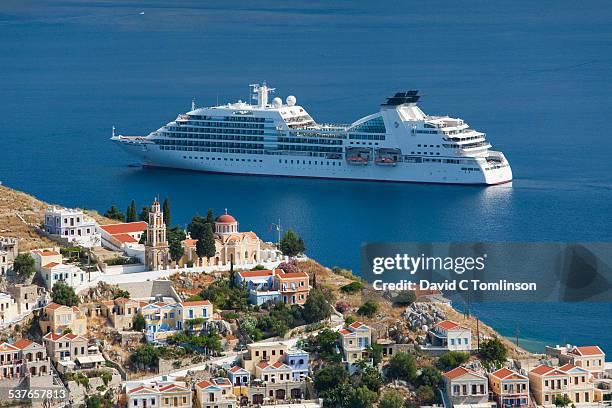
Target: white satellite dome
point(291, 100)
point(277, 102)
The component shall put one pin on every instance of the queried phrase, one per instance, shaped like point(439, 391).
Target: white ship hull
point(399, 143)
point(267, 165)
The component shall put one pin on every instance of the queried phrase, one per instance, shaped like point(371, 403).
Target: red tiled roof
point(587, 351)
point(125, 238)
point(542, 369)
point(50, 265)
point(235, 369)
point(53, 306)
point(262, 364)
point(22, 343)
point(357, 325)
point(190, 242)
point(344, 331)
point(504, 373)
point(47, 253)
point(286, 275)
point(459, 372)
point(204, 384)
point(124, 228)
point(256, 274)
point(567, 367)
point(197, 303)
point(447, 325)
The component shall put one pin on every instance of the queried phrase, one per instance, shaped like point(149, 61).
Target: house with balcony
point(72, 352)
point(21, 359)
point(165, 319)
point(278, 372)
point(356, 339)
point(56, 318)
point(238, 376)
point(215, 393)
point(159, 394)
point(509, 388)
point(464, 387)
point(275, 285)
point(450, 336)
point(298, 361)
point(547, 382)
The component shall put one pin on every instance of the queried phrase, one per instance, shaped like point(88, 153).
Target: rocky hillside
point(19, 212)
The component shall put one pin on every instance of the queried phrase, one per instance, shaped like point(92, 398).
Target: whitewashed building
point(49, 264)
point(8, 309)
point(73, 226)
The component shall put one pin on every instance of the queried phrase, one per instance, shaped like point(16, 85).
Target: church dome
point(225, 218)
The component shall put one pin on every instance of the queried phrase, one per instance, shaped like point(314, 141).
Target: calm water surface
point(537, 77)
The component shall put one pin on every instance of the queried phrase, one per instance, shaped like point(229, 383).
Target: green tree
point(64, 294)
point(210, 219)
point(291, 244)
point(452, 359)
point(370, 378)
point(197, 229)
point(176, 236)
point(562, 400)
point(402, 366)
point(139, 322)
point(376, 351)
point(145, 356)
point(166, 210)
point(327, 377)
point(391, 399)
point(207, 243)
point(369, 308)
point(23, 265)
point(425, 395)
point(352, 287)
point(144, 214)
point(114, 214)
point(130, 214)
point(317, 307)
point(324, 345)
point(493, 352)
point(404, 298)
point(431, 376)
point(361, 397)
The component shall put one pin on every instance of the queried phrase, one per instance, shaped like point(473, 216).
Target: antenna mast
point(262, 93)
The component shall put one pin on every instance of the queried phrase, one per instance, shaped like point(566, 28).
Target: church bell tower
point(156, 247)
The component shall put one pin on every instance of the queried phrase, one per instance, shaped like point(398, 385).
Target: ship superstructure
point(275, 138)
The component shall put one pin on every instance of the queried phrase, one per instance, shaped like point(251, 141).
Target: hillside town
point(128, 310)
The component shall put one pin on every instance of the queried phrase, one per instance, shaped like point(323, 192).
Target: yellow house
point(215, 393)
point(269, 352)
point(591, 358)
point(548, 382)
point(356, 339)
point(58, 318)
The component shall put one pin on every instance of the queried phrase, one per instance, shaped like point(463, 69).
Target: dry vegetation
point(14, 204)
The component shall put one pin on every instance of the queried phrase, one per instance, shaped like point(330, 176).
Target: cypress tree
point(210, 219)
point(144, 214)
point(208, 242)
point(166, 209)
point(130, 215)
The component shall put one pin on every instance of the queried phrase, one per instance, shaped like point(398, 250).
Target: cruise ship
point(399, 143)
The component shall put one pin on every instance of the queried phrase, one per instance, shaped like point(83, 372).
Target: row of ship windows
point(365, 143)
point(431, 153)
point(222, 158)
point(228, 118)
point(212, 137)
point(301, 148)
point(210, 144)
point(224, 125)
point(366, 137)
point(316, 162)
point(202, 149)
point(215, 130)
point(312, 141)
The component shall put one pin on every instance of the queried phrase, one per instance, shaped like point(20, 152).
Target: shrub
point(342, 306)
point(369, 308)
point(352, 287)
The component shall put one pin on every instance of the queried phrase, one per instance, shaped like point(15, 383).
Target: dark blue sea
point(536, 76)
